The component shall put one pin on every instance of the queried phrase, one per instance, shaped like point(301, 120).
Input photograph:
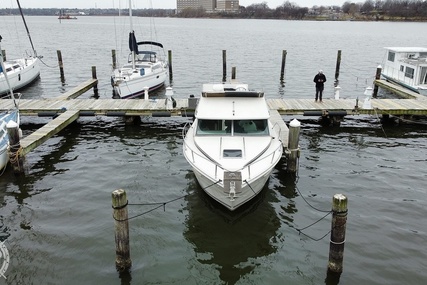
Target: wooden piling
point(337, 67)
point(338, 227)
point(282, 69)
point(224, 65)
point(377, 77)
point(95, 86)
point(170, 64)
point(61, 65)
point(293, 145)
point(233, 73)
point(16, 157)
point(120, 215)
point(113, 56)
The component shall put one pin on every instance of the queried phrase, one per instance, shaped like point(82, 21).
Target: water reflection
point(229, 240)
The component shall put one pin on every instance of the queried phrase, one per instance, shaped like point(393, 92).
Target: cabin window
point(391, 56)
point(423, 75)
point(211, 127)
point(232, 153)
point(409, 72)
point(251, 127)
point(402, 68)
point(233, 127)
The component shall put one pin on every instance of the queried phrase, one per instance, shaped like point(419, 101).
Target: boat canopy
point(150, 43)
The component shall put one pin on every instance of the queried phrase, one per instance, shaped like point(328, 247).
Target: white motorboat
point(146, 67)
point(232, 145)
point(22, 71)
point(407, 66)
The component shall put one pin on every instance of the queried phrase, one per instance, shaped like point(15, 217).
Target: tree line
point(409, 10)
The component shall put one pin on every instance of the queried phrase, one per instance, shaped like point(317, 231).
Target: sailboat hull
point(20, 72)
point(5, 118)
point(134, 85)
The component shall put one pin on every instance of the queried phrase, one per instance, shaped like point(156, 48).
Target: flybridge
point(229, 90)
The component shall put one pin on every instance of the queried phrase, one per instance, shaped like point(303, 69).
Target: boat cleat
point(232, 193)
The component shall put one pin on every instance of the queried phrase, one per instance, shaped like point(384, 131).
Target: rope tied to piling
point(159, 204)
point(15, 155)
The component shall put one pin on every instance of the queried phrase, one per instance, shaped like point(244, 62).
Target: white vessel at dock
point(407, 66)
point(232, 145)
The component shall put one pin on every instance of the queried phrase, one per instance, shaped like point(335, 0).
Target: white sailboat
point(6, 118)
point(146, 67)
point(21, 71)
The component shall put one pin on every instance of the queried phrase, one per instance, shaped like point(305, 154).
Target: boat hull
point(216, 190)
point(20, 77)
point(416, 89)
point(5, 118)
point(132, 88)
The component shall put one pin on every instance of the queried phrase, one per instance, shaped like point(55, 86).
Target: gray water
point(56, 220)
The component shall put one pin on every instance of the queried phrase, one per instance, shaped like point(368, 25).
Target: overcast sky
point(164, 4)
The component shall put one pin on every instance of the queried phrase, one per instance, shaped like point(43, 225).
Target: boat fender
point(161, 114)
point(313, 113)
point(20, 133)
point(116, 114)
point(337, 113)
point(87, 113)
point(47, 114)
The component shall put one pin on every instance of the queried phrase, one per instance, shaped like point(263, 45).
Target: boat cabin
point(406, 66)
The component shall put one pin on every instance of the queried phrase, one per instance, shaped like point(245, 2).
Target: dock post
point(282, 69)
point(224, 65)
point(113, 55)
point(337, 67)
point(293, 145)
point(170, 65)
point(3, 52)
point(338, 227)
point(95, 87)
point(16, 158)
point(61, 65)
point(377, 77)
point(146, 96)
point(233, 73)
point(121, 225)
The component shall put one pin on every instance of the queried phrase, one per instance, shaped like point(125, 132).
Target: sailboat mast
point(26, 27)
point(132, 32)
point(3, 68)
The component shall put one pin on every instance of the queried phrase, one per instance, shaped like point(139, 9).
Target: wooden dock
point(68, 108)
point(157, 107)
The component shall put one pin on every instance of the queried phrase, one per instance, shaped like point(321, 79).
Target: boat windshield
point(233, 127)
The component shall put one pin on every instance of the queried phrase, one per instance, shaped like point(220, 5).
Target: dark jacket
point(319, 79)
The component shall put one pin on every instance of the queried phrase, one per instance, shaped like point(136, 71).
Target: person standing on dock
point(319, 79)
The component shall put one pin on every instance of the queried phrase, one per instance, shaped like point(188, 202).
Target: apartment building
point(209, 5)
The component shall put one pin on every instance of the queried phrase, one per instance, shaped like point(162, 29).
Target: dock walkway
point(141, 107)
point(68, 108)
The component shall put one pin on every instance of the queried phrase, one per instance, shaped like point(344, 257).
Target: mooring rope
point(14, 156)
point(300, 230)
point(45, 64)
point(249, 186)
point(379, 120)
point(160, 204)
